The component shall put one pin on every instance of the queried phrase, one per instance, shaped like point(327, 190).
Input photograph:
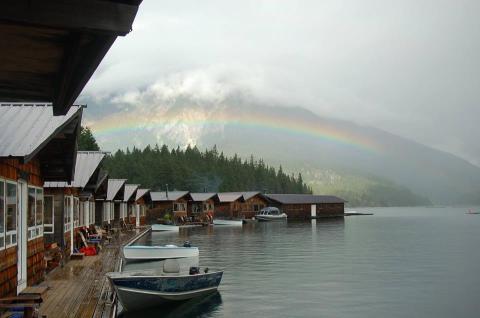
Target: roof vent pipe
point(166, 190)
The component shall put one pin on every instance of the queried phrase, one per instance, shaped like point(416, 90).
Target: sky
point(411, 68)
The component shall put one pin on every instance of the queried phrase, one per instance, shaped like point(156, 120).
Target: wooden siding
point(303, 211)
point(35, 261)
point(8, 272)
point(12, 169)
point(247, 208)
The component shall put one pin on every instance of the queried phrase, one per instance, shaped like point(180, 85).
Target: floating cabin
point(252, 203)
point(128, 206)
point(113, 201)
point(202, 206)
point(308, 206)
point(173, 203)
point(70, 206)
point(228, 205)
point(142, 201)
point(35, 147)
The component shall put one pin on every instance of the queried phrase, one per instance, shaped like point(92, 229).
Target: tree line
point(194, 170)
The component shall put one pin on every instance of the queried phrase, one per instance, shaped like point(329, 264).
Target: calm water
point(401, 262)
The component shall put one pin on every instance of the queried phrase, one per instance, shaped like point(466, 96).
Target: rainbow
point(132, 121)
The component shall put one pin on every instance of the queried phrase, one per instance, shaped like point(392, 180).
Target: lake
point(400, 262)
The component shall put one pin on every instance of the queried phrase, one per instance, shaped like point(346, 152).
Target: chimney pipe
point(166, 190)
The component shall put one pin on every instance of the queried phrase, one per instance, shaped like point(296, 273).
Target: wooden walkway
point(80, 289)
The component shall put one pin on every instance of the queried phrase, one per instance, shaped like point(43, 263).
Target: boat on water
point(470, 211)
point(138, 290)
point(227, 222)
point(142, 252)
point(271, 214)
point(165, 227)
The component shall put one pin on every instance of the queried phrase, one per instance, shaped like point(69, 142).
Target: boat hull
point(158, 252)
point(137, 292)
point(163, 227)
point(227, 222)
point(265, 218)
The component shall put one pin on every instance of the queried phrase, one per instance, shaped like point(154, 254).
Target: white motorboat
point(164, 227)
point(141, 252)
point(271, 214)
point(227, 222)
point(143, 289)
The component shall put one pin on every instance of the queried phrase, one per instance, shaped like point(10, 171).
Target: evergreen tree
point(86, 141)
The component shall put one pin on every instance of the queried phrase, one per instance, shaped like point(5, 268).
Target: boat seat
point(171, 266)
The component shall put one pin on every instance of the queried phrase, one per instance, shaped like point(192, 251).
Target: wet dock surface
point(80, 288)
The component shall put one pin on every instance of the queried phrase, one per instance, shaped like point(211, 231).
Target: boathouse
point(308, 206)
point(128, 207)
point(113, 201)
point(142, 202)
point(202, 206)
point(229, 204)
point(35, 147)
point(71, 205)
point(170, 204)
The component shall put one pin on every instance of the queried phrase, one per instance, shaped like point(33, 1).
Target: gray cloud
point(408, 67)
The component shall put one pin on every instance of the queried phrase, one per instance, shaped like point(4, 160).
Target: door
point(22, 236)
point(313, 211)
point(72, 222)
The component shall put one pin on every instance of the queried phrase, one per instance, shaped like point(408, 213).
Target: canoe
point(141, 252)
point(138, 290)
point(227, 222)
point(163, 227)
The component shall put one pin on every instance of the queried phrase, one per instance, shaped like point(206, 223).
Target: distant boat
point(164, 227)
point(270, 214)
point(472, 212)
point(140, 252)
point(227, 222)
point(142, 289)
point(351, 213)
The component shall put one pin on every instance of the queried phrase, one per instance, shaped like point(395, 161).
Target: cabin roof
point(172, 195)
point(201, 196)
point(87, 163)
point(225, 197)
point(52, 47)
point(113, 188)
point(129, 191)
point(30, 131)
point(304, 198)
point(141, 193)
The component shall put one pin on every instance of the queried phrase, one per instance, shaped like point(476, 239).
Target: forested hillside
point(193, 170)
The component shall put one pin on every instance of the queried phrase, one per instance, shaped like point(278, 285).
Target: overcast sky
point(408, 67)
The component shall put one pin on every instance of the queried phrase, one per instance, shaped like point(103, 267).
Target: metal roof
point(86, 164)
point(229, 196)
point(129, 191)
point(25, 128)
point(304, 198)
point(172, 195)
point(141, 193)
point(202, 196)
point(249, 194)
point(114, 185)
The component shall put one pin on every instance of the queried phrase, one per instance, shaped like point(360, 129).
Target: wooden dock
point(80, 289)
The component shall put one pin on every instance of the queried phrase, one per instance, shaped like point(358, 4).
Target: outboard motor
point(187, 244)
point(194, 270)
point(205, 270)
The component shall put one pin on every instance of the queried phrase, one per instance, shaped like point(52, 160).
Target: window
point(66, 212)
point(256, 207)
point(91, 211)
point(2, 214)
point(143, 210)
point(35, 212)
point(31, 208)
point(11, 219)
point(48, 215)
point(76, 212)
point(81, 214)
point(179, 207)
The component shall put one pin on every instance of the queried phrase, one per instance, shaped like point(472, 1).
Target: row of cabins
point(179, 205)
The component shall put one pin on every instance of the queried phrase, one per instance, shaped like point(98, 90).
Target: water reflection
point(197, 307)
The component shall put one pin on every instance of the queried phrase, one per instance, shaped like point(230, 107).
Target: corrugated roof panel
point(25, 127)
point(129, 191)
point(114, 185)
point(229, 196)
point(250, 194)
point(141, 193)
point(202, 196)
point(86, 164)
point(304, 198)
point(172, 195)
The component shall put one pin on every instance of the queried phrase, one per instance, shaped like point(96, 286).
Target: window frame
point(53, 214)
point(67, 222)
point(35, 231)
point(13, 233)
point(3, 233)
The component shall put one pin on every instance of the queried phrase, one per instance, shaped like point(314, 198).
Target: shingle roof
point(25, 128)
point(304, 198)
point(141, 193)
point(114, 185)
point(202, 196)
point(172, 195)
point(230, 196)
point(86, 164)
point(129, 191)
